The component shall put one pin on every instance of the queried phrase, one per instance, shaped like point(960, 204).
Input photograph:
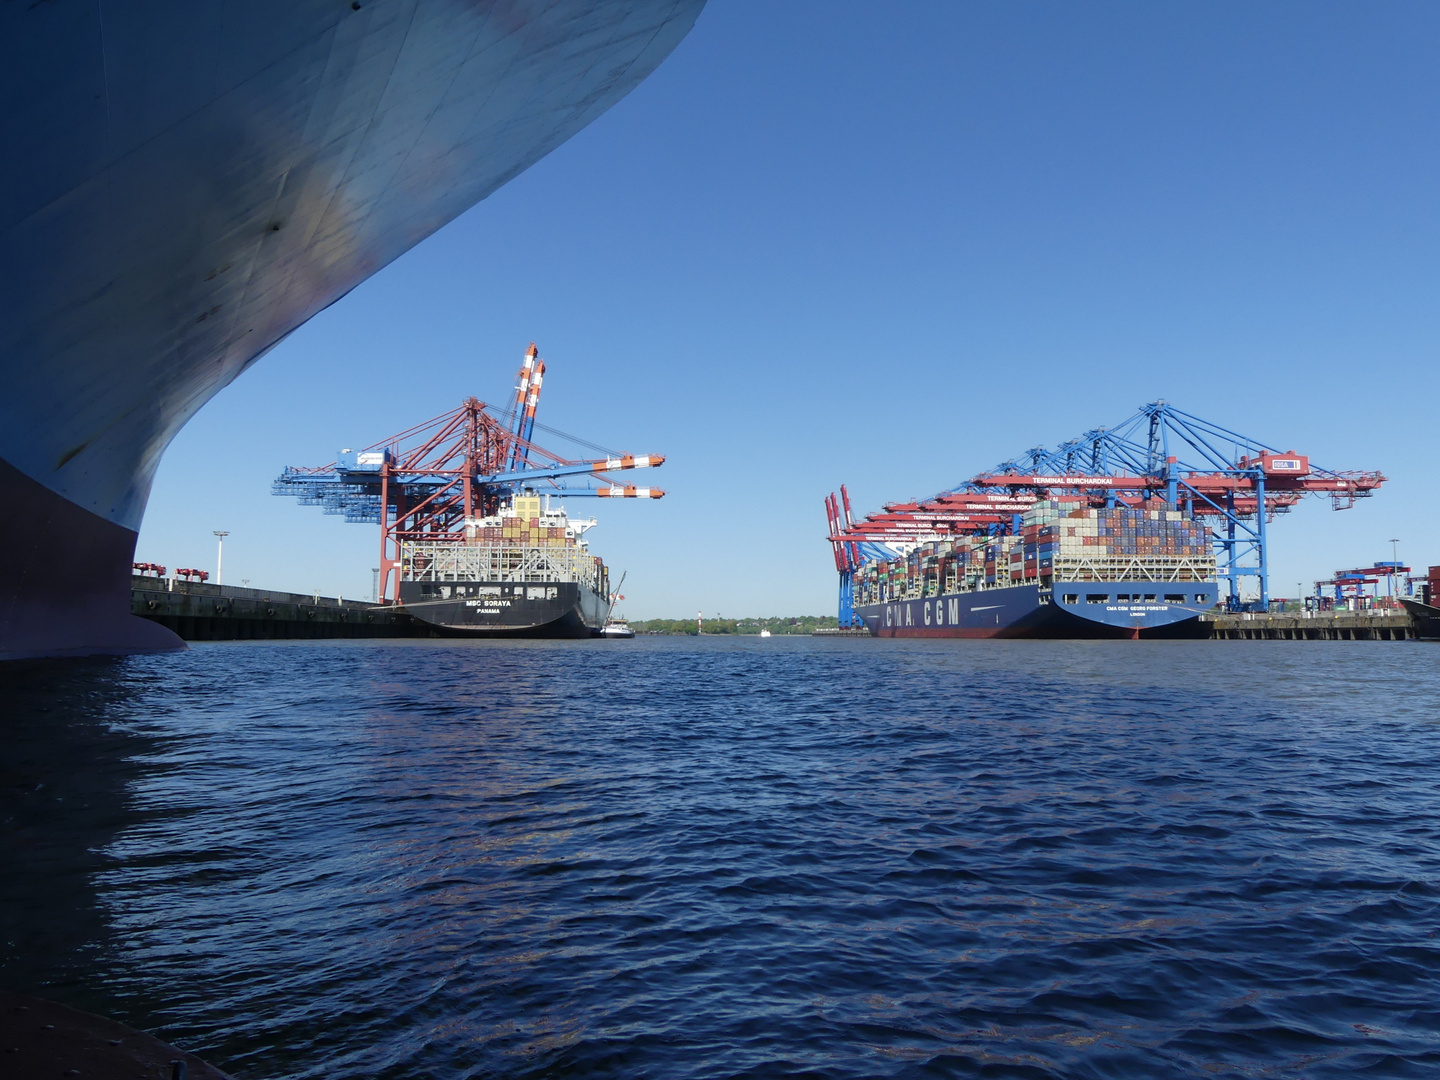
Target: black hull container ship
point(469, 541)
point(526, 572)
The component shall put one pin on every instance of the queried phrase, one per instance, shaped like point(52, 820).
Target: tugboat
point(616, 626)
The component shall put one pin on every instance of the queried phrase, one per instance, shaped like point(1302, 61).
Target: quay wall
point(1312, 626)
point(198, 611)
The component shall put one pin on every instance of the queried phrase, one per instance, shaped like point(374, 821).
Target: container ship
point(1111, 534)
point(1072, 571)
point(525, 571)
point(469, 542)
point(188, 184)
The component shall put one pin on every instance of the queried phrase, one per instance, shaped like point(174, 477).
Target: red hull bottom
point(65, 583)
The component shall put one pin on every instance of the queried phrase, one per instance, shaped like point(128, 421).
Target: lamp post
point(220, 556)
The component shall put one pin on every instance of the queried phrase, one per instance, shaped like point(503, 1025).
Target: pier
point(1383, 625)
point(198, 611)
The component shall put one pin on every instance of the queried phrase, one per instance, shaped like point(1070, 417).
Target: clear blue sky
point(891, 246)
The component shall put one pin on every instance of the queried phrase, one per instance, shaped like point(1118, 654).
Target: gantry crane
point(1223, 476)
point(426, 482)
point(1358, 579)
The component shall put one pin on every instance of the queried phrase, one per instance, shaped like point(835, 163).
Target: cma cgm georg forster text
point(186, 184)
point(1073, 571)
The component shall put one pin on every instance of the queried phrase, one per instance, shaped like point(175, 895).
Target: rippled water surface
point(722, 858)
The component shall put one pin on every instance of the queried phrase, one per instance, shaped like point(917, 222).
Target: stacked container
point(1124, 543)
point(1059, 540)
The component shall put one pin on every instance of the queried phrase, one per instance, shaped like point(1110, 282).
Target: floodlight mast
point(220, 555)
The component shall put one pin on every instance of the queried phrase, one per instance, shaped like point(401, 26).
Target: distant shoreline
point(800, 624)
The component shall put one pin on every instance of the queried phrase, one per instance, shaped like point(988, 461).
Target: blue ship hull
point(1112, 609)
point(188, 183)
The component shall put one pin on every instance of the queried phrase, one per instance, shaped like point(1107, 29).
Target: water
point(726, 858)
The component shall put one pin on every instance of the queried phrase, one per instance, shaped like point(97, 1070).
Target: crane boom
point(520, 420)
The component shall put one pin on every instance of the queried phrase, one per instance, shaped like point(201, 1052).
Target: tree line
point(802, 624)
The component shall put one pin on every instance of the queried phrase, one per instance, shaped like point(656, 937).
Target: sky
point(822, 245)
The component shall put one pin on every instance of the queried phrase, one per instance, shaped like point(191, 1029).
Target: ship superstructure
point(185, 185)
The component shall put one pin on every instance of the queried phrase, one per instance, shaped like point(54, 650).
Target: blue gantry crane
point(1158, 456)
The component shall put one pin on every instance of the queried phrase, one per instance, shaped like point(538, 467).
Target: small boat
point(615, 625)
